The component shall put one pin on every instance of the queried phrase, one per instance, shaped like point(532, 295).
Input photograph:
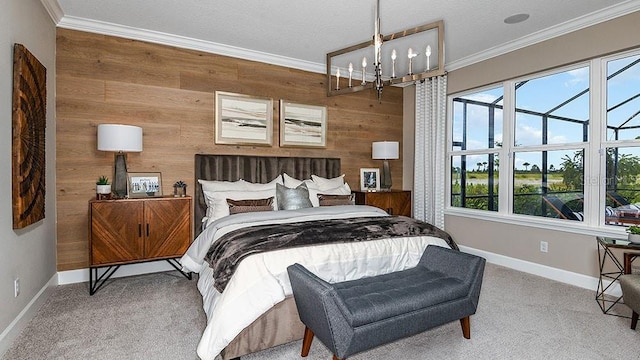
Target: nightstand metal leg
point(176, 265)
point(95, 281)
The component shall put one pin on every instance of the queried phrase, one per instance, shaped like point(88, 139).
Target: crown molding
point(105, 28)
point(582, 22)
point(54, 10)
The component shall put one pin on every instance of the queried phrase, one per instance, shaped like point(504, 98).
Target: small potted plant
point(634, 233)
point(103, 188)
point(179, 189)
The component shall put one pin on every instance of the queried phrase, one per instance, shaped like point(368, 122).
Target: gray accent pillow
point(293, 199)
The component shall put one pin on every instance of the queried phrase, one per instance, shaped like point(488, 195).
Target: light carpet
point(160, 316)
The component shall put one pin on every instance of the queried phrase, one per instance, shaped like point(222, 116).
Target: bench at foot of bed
point(353, 316)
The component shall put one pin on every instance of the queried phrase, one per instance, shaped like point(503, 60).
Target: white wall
point(29, 253)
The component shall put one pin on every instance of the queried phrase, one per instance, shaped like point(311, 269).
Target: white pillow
point(217, 201)
point(293, 183)
point(343, 189)
point(325, 184)
point(215, 185)
point(259, 187)
point(218, 185)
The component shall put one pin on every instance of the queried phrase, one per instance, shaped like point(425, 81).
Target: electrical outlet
point(544, 246)
point(16, 287)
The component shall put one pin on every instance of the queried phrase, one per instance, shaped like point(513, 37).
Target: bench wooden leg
point(306, 341)
point(634, 320)
point(466, 327)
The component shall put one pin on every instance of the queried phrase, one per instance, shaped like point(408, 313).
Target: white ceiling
point(299, 33)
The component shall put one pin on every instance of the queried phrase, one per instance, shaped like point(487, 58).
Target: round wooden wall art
point(28, 139)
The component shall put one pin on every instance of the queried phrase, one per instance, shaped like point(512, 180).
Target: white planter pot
point(634, 238)
point(103, 189)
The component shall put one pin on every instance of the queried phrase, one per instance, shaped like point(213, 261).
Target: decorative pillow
point(293, 199)
point(340, 190)
point(331, 200)
point(252, 205)
point(325, 184)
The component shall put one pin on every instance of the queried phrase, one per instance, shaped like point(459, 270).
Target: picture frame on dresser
point(243, 119)
point(370, 179)
point(144, 184)
point(303, 125)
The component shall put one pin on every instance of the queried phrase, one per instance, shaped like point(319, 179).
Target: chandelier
point(400, 70)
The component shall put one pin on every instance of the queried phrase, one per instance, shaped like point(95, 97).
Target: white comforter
point(261, 280)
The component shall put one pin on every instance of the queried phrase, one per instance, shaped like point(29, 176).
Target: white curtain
point(429, 168)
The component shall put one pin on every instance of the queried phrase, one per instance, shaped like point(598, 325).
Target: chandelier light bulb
point(428, 53)
point(350, 73)
point(364, 62)
point(411, 55)
point(338, 79)
point(364, 65)
point(393, 63)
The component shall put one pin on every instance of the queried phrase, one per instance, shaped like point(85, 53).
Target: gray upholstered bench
point(353, 316)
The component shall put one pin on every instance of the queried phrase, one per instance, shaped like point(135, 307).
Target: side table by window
point(605, 246)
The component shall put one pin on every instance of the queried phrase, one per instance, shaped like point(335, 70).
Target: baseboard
point(564, 276)
point(82, 275)
point(20, 322)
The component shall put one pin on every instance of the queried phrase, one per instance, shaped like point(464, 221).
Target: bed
point(256, 310)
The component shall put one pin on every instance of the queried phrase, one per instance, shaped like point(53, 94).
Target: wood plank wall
point(169, 92)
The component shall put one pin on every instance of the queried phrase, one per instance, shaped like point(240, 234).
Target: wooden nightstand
point(130, 231)
point(395, 202)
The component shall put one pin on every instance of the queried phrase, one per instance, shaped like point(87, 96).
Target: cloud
point(577, 76)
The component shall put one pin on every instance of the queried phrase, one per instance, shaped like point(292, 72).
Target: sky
point(543, 94)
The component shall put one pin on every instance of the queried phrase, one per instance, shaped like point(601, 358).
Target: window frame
point(594, 170)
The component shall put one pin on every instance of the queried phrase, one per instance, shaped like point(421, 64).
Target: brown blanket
point(226, 253)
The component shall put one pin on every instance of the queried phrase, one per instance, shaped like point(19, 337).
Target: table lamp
point(385, 150)
point(120, 139)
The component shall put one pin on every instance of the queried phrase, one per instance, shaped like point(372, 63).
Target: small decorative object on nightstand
point(395, 202)
point(179, 189)
point(103, 188)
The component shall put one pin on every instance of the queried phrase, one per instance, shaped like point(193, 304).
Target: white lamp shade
point(114, 137)
point(385, 150)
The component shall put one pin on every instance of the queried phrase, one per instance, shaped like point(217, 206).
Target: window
point(622, 164)
point(476, 131)
point(539, 133)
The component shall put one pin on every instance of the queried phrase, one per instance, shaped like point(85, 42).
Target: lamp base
point(385, 182)
point(120, 176)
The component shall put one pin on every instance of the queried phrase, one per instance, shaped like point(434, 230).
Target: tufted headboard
point(257, 169)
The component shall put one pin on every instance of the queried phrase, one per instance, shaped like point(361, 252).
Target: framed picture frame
point(144, 184)
point(243, 119)
point(370, 179)
point(303, 125)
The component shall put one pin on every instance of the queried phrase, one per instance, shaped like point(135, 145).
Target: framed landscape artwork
point(142, 185)
point(303, 125)
point(243, 119)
